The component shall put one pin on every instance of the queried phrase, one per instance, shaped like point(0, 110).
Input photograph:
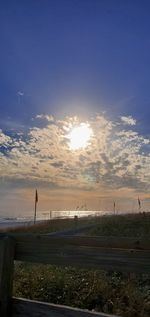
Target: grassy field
point(126, 295)
point(131, 225)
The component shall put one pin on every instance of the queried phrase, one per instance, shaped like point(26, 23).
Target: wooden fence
point(109, 253)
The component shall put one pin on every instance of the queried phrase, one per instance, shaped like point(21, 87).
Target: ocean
point(7, 222)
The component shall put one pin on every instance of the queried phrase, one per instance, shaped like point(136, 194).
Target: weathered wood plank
point(99, 241)
point(80, 252)
point(6, 275)
point(24, 308)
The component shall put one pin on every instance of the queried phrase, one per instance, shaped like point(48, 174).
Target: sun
point(80, 136)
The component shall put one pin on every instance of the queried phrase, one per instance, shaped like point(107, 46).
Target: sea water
point(11, 222)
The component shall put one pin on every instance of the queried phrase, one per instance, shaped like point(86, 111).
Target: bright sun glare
point(80, 136)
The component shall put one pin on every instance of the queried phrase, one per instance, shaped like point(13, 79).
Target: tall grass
point(130, 225)
point(125, 295)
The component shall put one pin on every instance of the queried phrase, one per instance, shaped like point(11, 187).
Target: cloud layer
point(117, 157)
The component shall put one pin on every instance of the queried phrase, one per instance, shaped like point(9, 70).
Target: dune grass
point(130, 225)
point(111, 292)
point(126, 295)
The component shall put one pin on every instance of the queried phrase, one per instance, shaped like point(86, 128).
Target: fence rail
point(109, 253)
point(24, 308)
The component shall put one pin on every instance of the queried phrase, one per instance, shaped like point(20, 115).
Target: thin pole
point(139, 203)
point(114, 207)
point(35, 206)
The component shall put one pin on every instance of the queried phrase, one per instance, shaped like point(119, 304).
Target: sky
point(65, 64)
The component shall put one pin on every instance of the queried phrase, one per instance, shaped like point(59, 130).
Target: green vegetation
point(134, 225)
point(115, 293)
point(126, 295)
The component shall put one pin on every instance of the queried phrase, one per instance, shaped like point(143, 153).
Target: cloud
point(129, 120)
point(115, 158)
point(47, 117)
point(5, 140)
point(20, 93)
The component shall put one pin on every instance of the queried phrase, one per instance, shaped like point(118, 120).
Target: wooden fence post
point(6, 274)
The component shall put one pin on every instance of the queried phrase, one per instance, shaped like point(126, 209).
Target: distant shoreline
point(16, 223)
point(10, 222)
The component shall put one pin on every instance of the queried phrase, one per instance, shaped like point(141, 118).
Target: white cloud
point(5, 140)
point(129, 120)
point(20, 93)
point(114, 158)
point(47, 117)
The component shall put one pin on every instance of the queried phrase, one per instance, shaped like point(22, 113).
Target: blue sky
point(67, 58)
